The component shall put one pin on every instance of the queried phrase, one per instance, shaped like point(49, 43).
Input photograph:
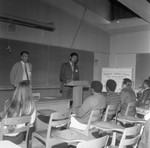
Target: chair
point(57, 119)
point(129, 106)
point(52, 135)
point(130, 137)
point(24, 123)
point(95, 116)
point(36, 96)
point(110, 112)
point(96, 143)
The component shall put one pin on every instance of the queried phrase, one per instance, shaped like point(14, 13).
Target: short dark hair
point(24, 52)
point(126, 81)
point(147, 82)
point(97, 86)
point(111, 85)
point(74, 54)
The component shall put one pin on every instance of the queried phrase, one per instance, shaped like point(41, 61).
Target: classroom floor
point(37, 144)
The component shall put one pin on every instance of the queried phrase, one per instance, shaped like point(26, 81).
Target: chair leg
point(32, 141)
point(113, 139)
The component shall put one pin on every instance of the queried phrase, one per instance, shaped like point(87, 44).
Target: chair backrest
point(15, 125)
point(129, 106)
point(58, 119)
point(130, 136)
point(96, 143)
point(111, 111)
point(94, 116)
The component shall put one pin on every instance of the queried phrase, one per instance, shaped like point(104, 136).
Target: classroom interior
point(105, 34)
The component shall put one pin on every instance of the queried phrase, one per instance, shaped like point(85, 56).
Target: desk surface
point(52, 103)
point(46, 112)
point(78, 83)
point(142, 110)
point(68, 135)
point(130, 119)
point(108, 126)
point(52, 99)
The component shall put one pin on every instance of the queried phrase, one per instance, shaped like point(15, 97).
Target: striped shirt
point(112, 98)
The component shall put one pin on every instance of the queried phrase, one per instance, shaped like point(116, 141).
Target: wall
point(125, 46)
point(101, 61)
point(67, 22)
point(89, 37)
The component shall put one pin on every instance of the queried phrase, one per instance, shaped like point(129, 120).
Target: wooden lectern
point(77, 91)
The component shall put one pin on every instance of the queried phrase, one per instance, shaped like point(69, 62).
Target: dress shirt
point(24, 71)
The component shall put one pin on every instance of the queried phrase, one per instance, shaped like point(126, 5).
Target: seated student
point(145, 138)
point(112, 97)
point(95, 101)
point(21, 104)
point(144, 99)
point(127, 95)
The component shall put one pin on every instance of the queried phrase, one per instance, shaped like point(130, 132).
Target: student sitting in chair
point(112, 98)
point(144, 100)
point(21, 104)
point(127, 95)
point(95, 101)
point(145, 138)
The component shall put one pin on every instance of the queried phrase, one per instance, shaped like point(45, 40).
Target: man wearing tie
point(21, 70)
point(69, 72)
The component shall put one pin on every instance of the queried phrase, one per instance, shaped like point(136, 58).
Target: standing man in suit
point(69, 72)
point(21, 70)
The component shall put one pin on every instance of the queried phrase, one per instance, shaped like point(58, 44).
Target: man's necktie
point(72, 71)
point(26, 72)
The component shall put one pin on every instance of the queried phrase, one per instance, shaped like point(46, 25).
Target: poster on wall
point(117, 74)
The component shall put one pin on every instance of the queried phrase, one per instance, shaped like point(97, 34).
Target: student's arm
point(145, 97)
point(86, 106)
point(62, 76)
point(123, 96)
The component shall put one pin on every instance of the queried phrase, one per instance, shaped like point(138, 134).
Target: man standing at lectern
point(69, 72)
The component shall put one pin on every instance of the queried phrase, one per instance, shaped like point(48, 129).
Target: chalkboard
point(46, 62)
point(142, 68)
